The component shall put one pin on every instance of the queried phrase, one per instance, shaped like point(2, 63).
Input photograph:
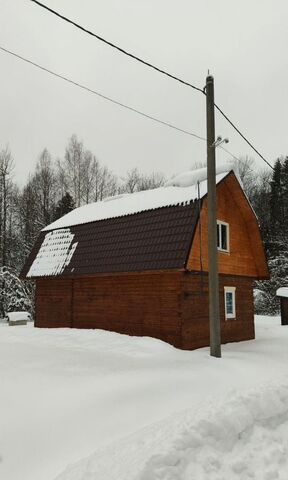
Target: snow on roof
point(54, 254)
point(282, 292)
point(179, 190)
point(192, 177)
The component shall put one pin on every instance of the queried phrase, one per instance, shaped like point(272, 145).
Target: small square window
point(230, 308)
point(222, 236)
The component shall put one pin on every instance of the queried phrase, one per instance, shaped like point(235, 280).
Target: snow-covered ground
point(138, 409)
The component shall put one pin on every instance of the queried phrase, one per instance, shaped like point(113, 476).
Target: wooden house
point(137, 264)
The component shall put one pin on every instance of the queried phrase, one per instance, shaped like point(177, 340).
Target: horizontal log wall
point(170, 306)
point(139, 304)
point(53, 302)
point(195, 310)
point(146, 305)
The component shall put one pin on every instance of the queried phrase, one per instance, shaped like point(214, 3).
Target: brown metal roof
point(151, 240)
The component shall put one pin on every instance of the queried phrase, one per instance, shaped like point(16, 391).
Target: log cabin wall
point(134, 304)
point(170, 306)
point(195, 310)
point(53, 302)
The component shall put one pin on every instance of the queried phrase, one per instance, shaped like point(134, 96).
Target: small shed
point(18, 318)
point(282, 293)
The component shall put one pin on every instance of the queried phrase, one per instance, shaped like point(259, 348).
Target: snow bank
point(245, 437)
point(282, 292)
point(137, 202)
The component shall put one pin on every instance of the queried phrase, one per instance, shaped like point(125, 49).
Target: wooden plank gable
point(246, 256)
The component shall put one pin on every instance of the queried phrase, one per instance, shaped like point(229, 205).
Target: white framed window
point(230, 305)
point(223, 243)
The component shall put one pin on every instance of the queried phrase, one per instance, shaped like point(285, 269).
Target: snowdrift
point(245, 436)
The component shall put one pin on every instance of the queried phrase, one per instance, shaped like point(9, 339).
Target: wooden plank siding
point(53, 302)
point(146, 305)
point(170, 306)
point(246, 256)
point(195, 310)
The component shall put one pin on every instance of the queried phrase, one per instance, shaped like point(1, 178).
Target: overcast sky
point(243, 43)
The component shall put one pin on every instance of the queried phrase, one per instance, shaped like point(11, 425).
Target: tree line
point(57, 186)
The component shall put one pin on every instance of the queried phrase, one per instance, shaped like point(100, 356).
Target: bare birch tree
point(136, 181)
point(6, 169)
point(45, 184)
point(74, 168)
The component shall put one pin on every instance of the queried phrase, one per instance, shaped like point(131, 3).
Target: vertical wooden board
point(53, 302)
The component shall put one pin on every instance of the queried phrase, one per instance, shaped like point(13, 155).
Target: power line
point(243, 136)
point(104, 97)
point(150, 65)
point(111, 100)
point(229, 153)
point(113, 45)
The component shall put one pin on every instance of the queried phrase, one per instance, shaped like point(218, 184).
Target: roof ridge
point(126, 205)
point(140, 212)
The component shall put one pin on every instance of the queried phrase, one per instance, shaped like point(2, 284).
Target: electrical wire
point(229, 153)
point(111, 100)
point(243, 136)
point(150, 65)
point(113, 45)
point(104, 97)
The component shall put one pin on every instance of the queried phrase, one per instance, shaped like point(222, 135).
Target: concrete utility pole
point(214, 316)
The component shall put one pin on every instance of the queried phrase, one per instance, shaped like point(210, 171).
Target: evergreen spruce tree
point(285, 196)
point(277, 245)
point(276, 207)
point(65, 205)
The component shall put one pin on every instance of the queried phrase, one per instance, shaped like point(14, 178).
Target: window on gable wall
point(222, 236)
point(230, 304)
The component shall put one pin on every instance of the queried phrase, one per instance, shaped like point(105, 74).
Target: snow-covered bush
point(15, 294)
point(266, 301)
